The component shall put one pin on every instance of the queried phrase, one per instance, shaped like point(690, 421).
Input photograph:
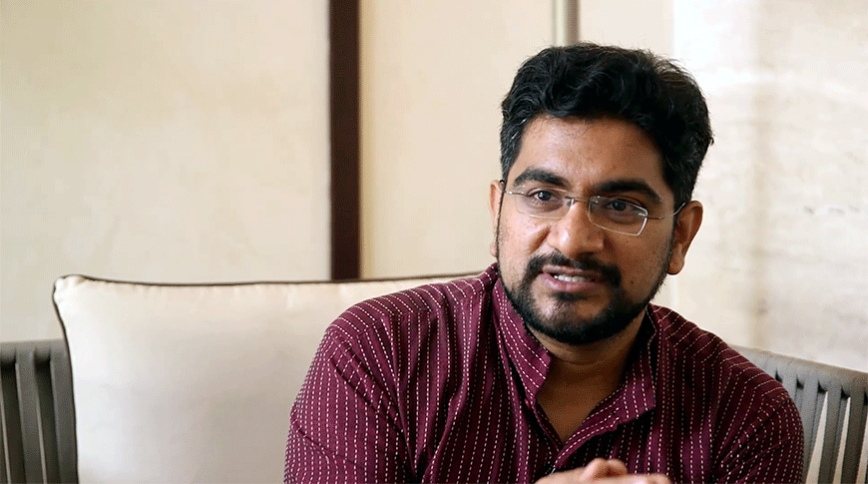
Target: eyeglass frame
point(570, 200)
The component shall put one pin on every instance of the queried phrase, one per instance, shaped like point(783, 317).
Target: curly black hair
point(591, 81)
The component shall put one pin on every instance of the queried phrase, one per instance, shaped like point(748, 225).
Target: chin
point(577, 319)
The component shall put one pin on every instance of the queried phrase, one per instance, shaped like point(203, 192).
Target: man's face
point(569, 279)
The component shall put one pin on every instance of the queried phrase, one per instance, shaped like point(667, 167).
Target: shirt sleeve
point(770, 450)
point(344, 423)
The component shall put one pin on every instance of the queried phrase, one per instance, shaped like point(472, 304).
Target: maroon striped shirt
point(439, 384)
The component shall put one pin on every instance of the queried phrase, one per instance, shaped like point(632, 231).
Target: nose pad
point(574, 233)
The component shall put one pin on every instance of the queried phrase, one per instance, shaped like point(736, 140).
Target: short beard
point(565, 327)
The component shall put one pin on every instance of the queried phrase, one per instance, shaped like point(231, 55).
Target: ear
point(494, 197)
point(686, 226)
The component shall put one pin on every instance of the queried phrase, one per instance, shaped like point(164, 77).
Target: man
point(552, 365)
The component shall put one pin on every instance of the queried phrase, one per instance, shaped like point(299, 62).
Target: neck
point(581, 376)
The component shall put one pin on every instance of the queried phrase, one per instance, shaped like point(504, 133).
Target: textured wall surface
point(781, 261)
point(160, 140)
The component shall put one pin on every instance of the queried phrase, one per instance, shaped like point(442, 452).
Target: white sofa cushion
point(193, 383)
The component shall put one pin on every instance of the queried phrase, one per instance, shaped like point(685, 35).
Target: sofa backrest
point(38, 422)
point(193, 383)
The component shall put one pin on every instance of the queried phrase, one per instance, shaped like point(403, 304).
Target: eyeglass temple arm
point(670, 215)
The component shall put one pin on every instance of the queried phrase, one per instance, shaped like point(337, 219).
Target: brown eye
point(617, 205)
point(543, 195)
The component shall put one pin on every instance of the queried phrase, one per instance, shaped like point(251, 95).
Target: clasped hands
point(602, 471)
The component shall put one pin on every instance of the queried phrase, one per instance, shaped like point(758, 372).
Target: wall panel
point(433, 76)
point(160, 140)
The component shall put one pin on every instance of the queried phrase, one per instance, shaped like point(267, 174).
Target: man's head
point(600, 150)
point(590, 81)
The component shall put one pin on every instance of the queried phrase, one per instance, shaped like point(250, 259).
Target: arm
point(343, 424)
point(770, 450)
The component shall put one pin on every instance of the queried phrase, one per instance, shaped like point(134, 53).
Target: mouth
point(571, 279)
point(573, 285)
point(568, 274)
point(566, 278)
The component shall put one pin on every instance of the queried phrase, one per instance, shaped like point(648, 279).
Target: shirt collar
point(528, 356)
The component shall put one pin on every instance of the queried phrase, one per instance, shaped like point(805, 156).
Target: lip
point(582, 281)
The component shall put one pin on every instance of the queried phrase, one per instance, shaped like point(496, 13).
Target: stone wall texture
point(781, 261)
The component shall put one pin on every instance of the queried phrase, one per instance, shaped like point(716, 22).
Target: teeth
point(566, 278)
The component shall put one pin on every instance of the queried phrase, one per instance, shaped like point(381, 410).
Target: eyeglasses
point(613, 214)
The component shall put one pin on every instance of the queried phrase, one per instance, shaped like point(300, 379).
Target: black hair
point(591, 81)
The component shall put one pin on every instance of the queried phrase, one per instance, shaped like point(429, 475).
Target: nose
point(574, 234)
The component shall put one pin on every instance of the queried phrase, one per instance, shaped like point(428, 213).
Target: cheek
point(519, 239)
point(641, 264)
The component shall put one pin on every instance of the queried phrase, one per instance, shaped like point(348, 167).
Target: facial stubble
point(564, 325)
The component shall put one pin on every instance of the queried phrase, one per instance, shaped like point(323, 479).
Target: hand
point(602, 471)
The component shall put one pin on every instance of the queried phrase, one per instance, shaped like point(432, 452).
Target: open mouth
point(568, 278)
point(563, 275)
point(572, 275)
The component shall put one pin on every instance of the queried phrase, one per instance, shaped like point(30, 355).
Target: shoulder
point(707, 363)
point(752, 420)
point(414, 309)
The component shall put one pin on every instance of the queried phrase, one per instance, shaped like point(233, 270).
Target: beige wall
point(160, 140)
point(645, 24)
point(781, 260)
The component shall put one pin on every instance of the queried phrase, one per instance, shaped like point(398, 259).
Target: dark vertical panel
point(28, 405)
point(13, 448)
point(64, 412)
point(48, 424)
point(344, 137)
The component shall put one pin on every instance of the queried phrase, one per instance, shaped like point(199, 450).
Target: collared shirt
point(439, 384)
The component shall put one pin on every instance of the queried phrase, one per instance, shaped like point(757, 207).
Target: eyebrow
point(538, 175)
point(630, 185)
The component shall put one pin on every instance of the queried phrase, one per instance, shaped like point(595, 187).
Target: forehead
point(585, 154)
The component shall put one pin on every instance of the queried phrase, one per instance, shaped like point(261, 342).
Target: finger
point(577, 475)
point(659, 479)
point(637, 479)
point(598, 467)
point(616, 467)
point(574, 477)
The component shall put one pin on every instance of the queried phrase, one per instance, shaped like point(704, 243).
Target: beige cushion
point(193, 383)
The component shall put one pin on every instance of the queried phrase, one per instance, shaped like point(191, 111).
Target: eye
point(619, 205)
point(618, 210)
point(542, 195)
point(616, 205)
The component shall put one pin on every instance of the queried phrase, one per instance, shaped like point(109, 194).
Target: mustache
point(609, 274)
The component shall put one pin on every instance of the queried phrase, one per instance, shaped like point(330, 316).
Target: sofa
point(194, 383)
point(172, 383)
